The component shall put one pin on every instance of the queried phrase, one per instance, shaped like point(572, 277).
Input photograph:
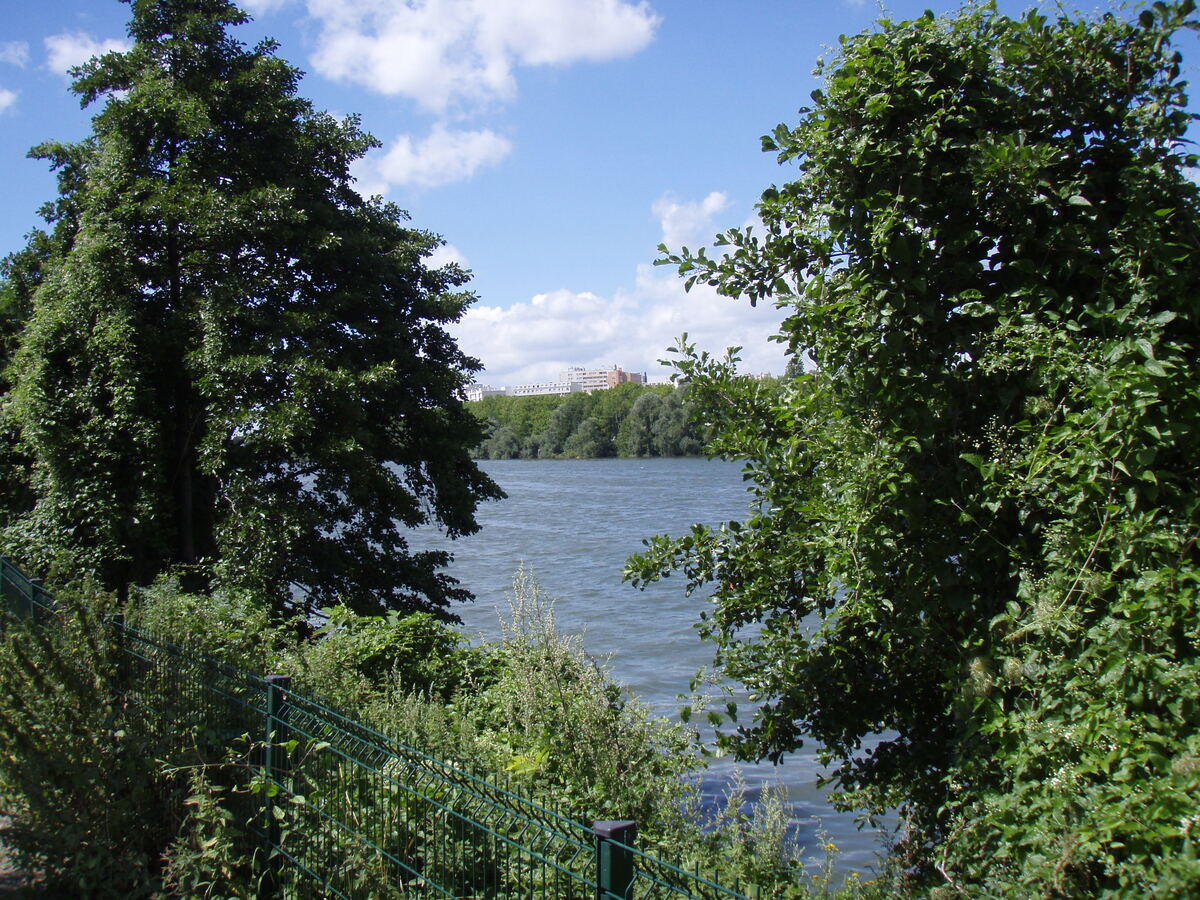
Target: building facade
point(545, 387)
point(479, 391)
point(574, 378)
point(602, 379)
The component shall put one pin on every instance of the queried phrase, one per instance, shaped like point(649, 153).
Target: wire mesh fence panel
point(641, 875)
point(194, 694)
point(367, 816)
point(24, 597)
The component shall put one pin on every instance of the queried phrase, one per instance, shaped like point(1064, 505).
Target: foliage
point(973, 531)
point(627, 420)
point(356, 659)
point(76, 772)
point(546, 716)
point(228, 624)
point(232, 362)
point(555, 717)
point(207, 857)
point(554, 722)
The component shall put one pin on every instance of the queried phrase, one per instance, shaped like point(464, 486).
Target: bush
point(233, 626)
point(77, 766)
point(354, 660)
point(138, 808)
point(552, 719)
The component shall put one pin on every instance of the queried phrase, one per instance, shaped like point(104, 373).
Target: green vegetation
point(974, 524)
point(628, 420)
point(106, 803)
point(221, 360)
point(76, 774)
point(970, 569)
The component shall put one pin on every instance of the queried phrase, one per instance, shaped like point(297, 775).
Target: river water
point(574, 523)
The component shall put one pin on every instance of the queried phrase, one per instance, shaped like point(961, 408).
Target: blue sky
point(552, 143)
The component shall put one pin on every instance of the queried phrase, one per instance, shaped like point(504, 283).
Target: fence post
point(614, 860)
point(36, 588)
point(275, 762)
point(7, 595)
point(116, 624)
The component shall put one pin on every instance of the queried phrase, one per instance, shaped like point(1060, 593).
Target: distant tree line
point(628, 420)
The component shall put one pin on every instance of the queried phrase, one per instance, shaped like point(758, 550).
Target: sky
point(553, 144)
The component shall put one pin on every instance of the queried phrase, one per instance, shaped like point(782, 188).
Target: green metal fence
point(338, 809)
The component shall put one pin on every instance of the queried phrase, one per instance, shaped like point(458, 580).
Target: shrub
point(77, 765)
point(233, 626)
point(354, 659)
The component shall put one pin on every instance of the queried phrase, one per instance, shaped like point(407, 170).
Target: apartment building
point(575, 378)
point(602, 379)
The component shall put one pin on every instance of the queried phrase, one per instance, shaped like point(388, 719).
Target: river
point(574, 523)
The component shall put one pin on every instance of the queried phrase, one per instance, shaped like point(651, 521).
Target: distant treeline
point(627, 420)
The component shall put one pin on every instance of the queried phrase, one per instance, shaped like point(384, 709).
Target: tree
point(502, 444)
point(570, 413)
point(610, 407)
point(675, 432)
point(636, 435)
point(587, 442)
point(970, 563)
point(233, 363)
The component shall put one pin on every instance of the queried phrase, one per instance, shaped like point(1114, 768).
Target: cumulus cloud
point(444, 256)
point(15, 53)
point(536, 340)
point(688, 224)
point(448, 52)
point(69, 49)
point(444, 156)
point(258, 7)
point(7, 99)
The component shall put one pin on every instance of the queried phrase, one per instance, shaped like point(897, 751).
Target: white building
point(601, 379)
point(545, 387)
point(479, 391)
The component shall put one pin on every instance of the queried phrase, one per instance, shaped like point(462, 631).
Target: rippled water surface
point(574, 523)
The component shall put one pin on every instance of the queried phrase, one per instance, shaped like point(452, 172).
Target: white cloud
point(536, 340)
point(67, 50)
point(446, 52)
point(687, 223)
point(444, 255)
point(258, 7)
point(443, 157)
point(15, 53)
point(7, 99)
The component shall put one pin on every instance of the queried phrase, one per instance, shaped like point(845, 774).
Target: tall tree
point(235, 364)
point(971, 561)
point(636, 434)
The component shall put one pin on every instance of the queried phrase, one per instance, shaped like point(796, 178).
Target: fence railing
point(340, 810)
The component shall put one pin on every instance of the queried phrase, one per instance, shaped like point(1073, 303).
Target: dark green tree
point(636, 434)
point(587, 442)
point(234, 363)
point(562, 423)
point(502, 443)
point(970, 566)
point(610, 407)
point(675, 430)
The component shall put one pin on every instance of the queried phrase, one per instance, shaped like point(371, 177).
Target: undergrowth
point(107, 802)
